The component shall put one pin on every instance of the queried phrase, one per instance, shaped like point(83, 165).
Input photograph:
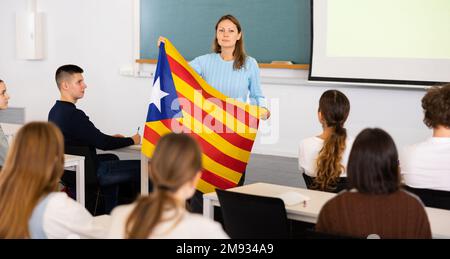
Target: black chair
point(308, 180)
point(93, 197)
point(251, 216)
point(340, 185)
point(431, 198)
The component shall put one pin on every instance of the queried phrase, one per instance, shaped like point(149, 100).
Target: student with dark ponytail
point(175, 170)
point(323, 158)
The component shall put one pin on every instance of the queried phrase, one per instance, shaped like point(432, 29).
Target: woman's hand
point(265, 114)
point(161, 39)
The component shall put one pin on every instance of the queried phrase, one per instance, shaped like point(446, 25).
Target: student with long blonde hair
point(175, 170)
point(30, 206)
point(324, 157)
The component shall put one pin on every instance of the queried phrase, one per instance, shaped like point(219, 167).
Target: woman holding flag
point(229, 70)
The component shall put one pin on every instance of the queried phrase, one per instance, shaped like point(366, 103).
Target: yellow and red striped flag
point(225, 128)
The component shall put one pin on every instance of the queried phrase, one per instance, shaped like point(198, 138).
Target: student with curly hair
point(426, 165)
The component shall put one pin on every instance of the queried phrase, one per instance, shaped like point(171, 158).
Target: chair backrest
point(432, 198)
point(251, 216)
point(341, 184)
point(308, 180)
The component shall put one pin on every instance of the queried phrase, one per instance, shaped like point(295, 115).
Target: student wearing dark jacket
point(78, 130)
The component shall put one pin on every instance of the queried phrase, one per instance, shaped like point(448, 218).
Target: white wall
point(398, 111)
point(98, 36)
point(94, 34)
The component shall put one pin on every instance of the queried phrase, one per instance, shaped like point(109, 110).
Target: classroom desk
point(136, 149)
point(77, 162)
point(309, 212)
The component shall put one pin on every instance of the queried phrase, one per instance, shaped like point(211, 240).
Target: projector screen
point(381, 41)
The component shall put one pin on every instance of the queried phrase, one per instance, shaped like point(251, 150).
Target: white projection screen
point(381, 41)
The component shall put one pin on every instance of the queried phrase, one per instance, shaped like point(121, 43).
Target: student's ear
point(321, 119)
point(239, 36)
point(196, 179)
point(319, 115)
point(64, 85)
point(191, 186)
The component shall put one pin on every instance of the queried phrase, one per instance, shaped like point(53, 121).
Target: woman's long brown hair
point(176, 160)
point(334, 107)
point(32, 170)
point(239, 51)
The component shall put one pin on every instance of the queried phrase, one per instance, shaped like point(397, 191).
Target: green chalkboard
point(273, 29)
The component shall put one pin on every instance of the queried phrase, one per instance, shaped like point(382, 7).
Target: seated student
point(375, 205)
point(426, 165)
point(4, 97)
point(30, 206)
point(325, 156)
point(175, 171)
point(78, 130)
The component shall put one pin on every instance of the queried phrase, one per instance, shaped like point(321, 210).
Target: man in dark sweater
point(78, 130)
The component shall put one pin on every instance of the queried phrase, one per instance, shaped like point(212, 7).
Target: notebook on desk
point(292, 198)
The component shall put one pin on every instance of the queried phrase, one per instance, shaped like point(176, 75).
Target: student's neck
point(227, 54)
point(180, 200)
point(69, 99)
point(327, 131)
point(441, 132)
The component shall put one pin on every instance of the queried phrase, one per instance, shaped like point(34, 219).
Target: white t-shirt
point(65, 218)
point(427, 164)
point(309, 151)
point(189, 226)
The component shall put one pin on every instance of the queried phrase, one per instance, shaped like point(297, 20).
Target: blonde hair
point(176, 160)
point(239, 51)
point(32, 169)
point(334, 107)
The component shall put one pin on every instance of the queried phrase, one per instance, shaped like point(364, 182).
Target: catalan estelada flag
point(183, 102)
